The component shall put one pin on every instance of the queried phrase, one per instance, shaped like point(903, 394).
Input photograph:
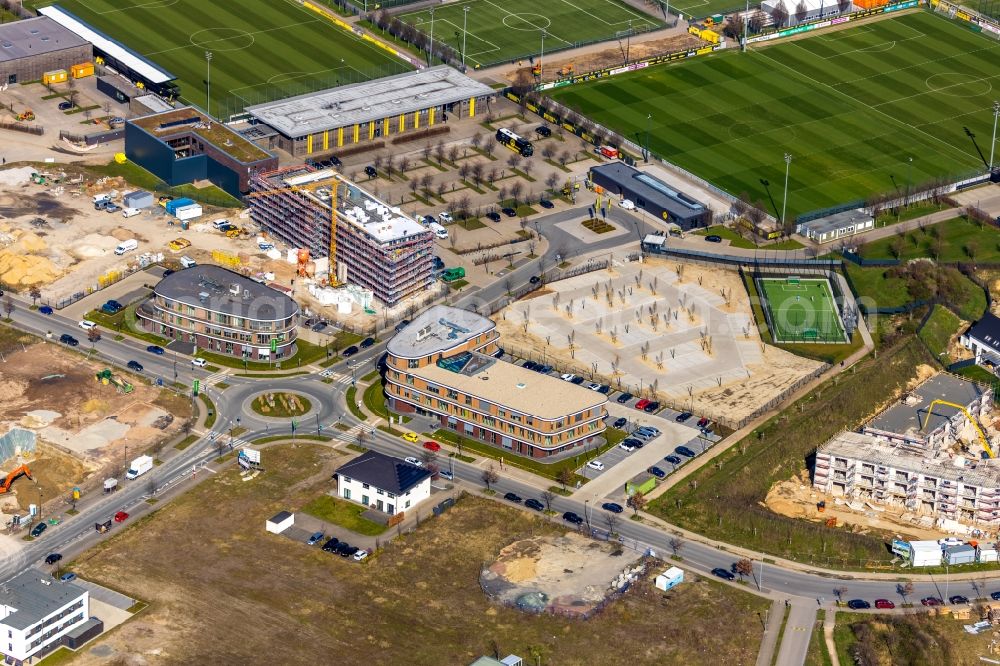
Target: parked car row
point(338, 547)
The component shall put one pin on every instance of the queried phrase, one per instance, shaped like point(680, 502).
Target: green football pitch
point(261, 49)
point(512, 29)
point(801, 310)
point(861, 111)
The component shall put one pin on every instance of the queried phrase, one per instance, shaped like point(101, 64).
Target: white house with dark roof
point(983, 338)
point(36, 612)
point(383, 482)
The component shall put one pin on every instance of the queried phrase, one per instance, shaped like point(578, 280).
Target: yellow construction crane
point(974, 422)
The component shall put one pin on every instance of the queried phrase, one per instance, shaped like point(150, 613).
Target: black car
point(513, 497)
point(350, 351)
point(401, 325)
point(723, 573)
point(367, 342)
point(544, 369)
point(958, 599)
point(685, 451)
point(529, 365)
point(498, 353)
point(624, 397)
point(68, 339)
point(682, 417)
point(335, 161)
point(612, 507)
point(633, 442)
point(534, 504)
point(713, 239)
point(657, 472)
point(995, 596)
point(577, 380)
point(52, 558)
point(620, 422)
point(65, 106)
point(545, 203)
point(673, 460)
point(858, 604)
point(493, 215)
point(437, 263)
point(429, 219)
point(534, 279)
point(155, 349)
point(651, 407)
point(571, 517)
point(348, 552)
point(370, 171)
point(509, 212)
point(319, 326)
point(543, 130)
point(134, 365)
point(38, 529)
point(331, 544)
point(605, 389)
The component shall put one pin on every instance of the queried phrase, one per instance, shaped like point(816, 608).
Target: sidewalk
point(831, 646)
point(775, 618)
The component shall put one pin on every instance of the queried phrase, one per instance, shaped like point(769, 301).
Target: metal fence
point(37, 130)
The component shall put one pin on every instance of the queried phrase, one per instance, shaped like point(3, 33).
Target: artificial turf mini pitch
point(512, 29)
point(261, 49)
point(852, 107)
point(801, 310)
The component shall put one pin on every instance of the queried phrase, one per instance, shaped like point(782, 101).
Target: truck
point(139, 466)
point(110, 485)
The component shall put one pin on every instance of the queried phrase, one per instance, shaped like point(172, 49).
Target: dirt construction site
point(52, 237)
point(81, 426)
point(679, 330)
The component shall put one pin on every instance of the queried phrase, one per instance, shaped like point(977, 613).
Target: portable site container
point(669, 578)
point(925, 553)
point(174, 204)
point(83, 70)
point(55, 76)
point(986, 554)
point(964, 554)
point(189, 212)
point(138, 199)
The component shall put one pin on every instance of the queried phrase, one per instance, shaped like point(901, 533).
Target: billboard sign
point(251, 455)
point(901, 548)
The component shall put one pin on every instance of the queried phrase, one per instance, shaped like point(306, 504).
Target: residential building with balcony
point(943, 486)
point(382, 482)
point(983, 339)
point(222, 312)
point(444, 364)
point(37, 613)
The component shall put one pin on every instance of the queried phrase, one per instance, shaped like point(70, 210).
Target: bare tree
point(840, 591)
point(548, 497)
point(476, 140)
point(453, 153)
point(676, 545)
point(801, 11)
point(612, 520)
point(564, 476)
point(780, 14)
point(637, 502)
point(527, 168)
point(551, 181)
point(548, 151)
point(439, 152)
point(490, 476)
point(8, 306)
point(35, 294)
point(843, 5)
point(904, 590)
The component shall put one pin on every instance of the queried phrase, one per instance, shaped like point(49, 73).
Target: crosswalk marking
point(215, 378)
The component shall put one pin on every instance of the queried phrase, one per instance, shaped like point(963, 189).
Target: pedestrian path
point(775, 617)
point(798, 631)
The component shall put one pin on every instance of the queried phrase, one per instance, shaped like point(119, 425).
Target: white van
point(98, 198)
point(131, 212)
point(438, 230)
point(126, 246)
point(188, 262)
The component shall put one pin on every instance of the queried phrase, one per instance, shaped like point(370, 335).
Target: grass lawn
point(979, 374)
point(259, 47)
point(850, 121)
point(910, 212)
point(547, 470)
point(210, 406)
point(374, 400)
point(818, 655)
point(723, 501)
point(501, 32)
point(955, 240)
point(343, 513)
point(941, 325)
point(315, 596)
point(283, 407)
point(186, 442)
point(907, 639)
point(875, 284)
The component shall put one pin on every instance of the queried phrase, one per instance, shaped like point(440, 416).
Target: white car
point(360, 555)
point(86, 324)
point(413, 461)
point(445, 217)
point(596, 464)
point(594, 387)
point(199, 362)
point(625, 447)
point(568, 377)
point(627, 204)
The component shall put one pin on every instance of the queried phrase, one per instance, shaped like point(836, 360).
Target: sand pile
point(18, 176)
point(25, 270)
point(28, 243)
point(92, 246)
point(122, 234)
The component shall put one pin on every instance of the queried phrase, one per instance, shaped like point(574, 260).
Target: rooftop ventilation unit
point(234, 290)
point(203, 296)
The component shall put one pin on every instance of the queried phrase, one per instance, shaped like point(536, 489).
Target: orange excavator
point(14, 476)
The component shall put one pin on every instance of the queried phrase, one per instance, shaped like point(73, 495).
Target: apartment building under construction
point(375, 246)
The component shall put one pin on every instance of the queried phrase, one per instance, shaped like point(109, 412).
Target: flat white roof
point(108, 45)
point(381, 221)
point(370, 100)
point(438, 329)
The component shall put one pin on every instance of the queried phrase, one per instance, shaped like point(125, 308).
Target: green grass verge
point(549, 471)
point(282, 438)
point(210, 406)
point(744, 122)
point(374, 400)
point(724, 501)
point(351, 396)
point(343, 513)
point(878, 286)
point(817, 655)
point(938, 330)
point(186, 442)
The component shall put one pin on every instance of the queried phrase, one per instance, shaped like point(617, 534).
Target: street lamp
point(784, 201)
point(649, 123)
point(746, 21)
point(993, 144)
point(208, 83)
point(465, 31)
point(541, 55)
point(430, 52)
